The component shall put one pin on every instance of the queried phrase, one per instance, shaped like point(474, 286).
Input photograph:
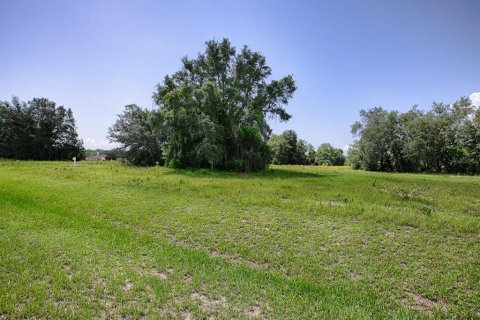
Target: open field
point(109, 241)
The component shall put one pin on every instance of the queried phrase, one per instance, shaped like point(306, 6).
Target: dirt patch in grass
point(421, 303)
point(253, 312)
point(389, 234)
point(186, 315)
point(128, 286)
point(334, 202)
point(238, 260)
point(187, 278)
point(161, 275)
point(352, 274)
point(209, 304)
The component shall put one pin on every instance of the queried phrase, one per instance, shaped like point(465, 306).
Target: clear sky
point(97, 56)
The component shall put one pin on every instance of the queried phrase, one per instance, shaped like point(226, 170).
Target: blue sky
point(97, 56)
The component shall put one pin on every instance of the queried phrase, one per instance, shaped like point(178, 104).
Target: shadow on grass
point(271, 173)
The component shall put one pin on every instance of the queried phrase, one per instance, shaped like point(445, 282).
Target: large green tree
point(216, 107)
point(141, 134)
point(286, 148)
point(327, 155)
point(38, 130)
point(444, 139)
point(377, 144)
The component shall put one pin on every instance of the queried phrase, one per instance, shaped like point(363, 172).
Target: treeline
point(212, 113)
point(286, 148)
point(38, 130)
point(94, 152)
point(443, 139)
point(111, 154)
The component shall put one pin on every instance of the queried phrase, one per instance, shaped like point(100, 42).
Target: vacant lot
point(110, 241)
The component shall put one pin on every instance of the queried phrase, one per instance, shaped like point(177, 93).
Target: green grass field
point(103, 240)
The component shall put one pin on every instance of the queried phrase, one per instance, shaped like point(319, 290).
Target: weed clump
point(404, 193)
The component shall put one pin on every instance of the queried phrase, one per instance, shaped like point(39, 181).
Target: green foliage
point(38, 130)
point(353, 156)
point(115, 154)
point(141, 134)
point(286, 148)
point(94, 152)
point(174, 163)
point(310, 154)
point(112, 154)
point(444, 139)
point(212, 113)
point(327, 155)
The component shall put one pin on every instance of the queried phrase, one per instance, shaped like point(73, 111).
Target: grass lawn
point(103, 240)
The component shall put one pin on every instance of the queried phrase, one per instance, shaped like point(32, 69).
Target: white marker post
point(74, 161)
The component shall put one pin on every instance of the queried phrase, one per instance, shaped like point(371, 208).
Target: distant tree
point(141, 135)
point(278, 149)
point(353, 156)
point(215, 109)
point(310, 154)
point(94, 152)
point(301, 151)
point(329, 156)
point(293, 154)
point(110, 154)
point(48, 120)
point(38, 130)
point(444, 139)
point(212, 113)
point(286, 148)
point(376, 144)
point(67, 143)
point(16, 130)
point(283, 148)
point(115, 154)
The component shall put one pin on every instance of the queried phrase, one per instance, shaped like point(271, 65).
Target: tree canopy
point(38, 130)
point(286, 148)
point(211, 113)
point(327, 155)
point(141, 135)
point(444, 139)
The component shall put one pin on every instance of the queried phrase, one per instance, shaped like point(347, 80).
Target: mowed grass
point(103, 240)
